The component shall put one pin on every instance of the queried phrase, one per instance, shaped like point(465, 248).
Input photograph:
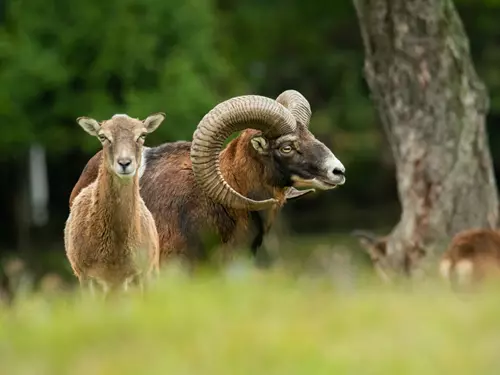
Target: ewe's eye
point(102, 137)
point(142, 137)
point(286, 149)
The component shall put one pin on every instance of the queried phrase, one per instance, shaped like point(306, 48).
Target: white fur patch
point(444, 269)
point(464, 270)
point(142, 167)
point(333, 163)
point(121, 115)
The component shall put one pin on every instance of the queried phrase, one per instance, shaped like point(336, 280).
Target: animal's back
point(89, 174)
point(472, 256)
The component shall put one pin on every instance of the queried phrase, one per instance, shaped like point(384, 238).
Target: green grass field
point(254, 323)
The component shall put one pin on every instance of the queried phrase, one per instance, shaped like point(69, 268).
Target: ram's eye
point(102, 137)
point(286, 149)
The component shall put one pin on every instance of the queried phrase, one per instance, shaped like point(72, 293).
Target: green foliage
point(300, 45)
point(245, 323)
point(97, 58)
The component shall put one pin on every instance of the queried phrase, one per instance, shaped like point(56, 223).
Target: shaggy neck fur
point(246, 173)
point(116, 200)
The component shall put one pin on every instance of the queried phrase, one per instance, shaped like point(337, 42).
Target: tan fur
point(472, 256)
point(464, 269)
point(110, 235)
point(445, 269)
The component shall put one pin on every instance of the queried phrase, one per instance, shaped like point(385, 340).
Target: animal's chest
point(110, 247)
point(242, 228)
point(243, 231)
point(249, 231)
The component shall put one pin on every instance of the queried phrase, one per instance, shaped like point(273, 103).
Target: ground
point(241, 321)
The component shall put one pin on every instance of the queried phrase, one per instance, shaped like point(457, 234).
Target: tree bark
point(433, 107)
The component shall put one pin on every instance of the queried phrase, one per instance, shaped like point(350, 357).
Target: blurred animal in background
point(376, 247)
point(15, 280)
point(387, 267)
point(6, 294)
point(110, 235)
point(201, 191)
point(52, 284)
point(472, 257)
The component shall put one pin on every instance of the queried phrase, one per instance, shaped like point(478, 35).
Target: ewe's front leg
point(86, 284)
point(141, 282)
point(114, 289)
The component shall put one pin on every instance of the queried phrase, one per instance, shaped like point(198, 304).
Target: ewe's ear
point(88, 124)
point(369, 241)
point(364, 236)
point(293, 193)
point(153, 121)
point(260, 144)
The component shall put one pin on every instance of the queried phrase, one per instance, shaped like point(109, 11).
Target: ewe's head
point(284, 144)
point(376, 248)
point(122, 138)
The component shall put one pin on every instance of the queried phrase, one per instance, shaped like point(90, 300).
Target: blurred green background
point(62, 59)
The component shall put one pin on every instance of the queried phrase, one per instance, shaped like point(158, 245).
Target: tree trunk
point(433, 108)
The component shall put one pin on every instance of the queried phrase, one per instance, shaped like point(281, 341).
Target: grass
point(245, 322)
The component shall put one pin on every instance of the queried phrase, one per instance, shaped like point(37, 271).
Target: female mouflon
point(110, 235)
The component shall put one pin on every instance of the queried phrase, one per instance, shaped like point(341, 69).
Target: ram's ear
point(260, 144)
point(152, 122)
point(88, 124)
point(293, 193)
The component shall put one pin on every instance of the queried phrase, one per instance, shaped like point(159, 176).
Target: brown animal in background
point(110, 235)
point(190, 186)
point(376, 248)
point(15, 278)
point(385, 266)
point(472, 256)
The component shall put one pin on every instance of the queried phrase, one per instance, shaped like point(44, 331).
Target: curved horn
point(297, 104)
point(250, 111)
